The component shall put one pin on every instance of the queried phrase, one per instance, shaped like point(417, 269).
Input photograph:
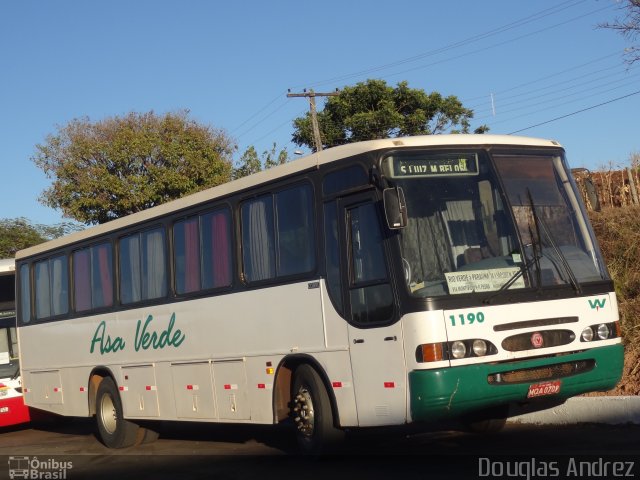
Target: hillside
point(618, 231)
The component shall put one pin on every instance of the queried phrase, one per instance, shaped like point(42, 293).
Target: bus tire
point(312, 413)
point(113, 429)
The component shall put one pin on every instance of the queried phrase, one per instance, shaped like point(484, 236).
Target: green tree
point(372, 110)
point(628, 26)
point(121, 165)
point(250, 162)
point(273, 158)
point(19, 233)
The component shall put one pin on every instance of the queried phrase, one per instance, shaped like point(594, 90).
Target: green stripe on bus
point(449, 392)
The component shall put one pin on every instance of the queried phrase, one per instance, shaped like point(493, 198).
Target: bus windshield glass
point(465, 235)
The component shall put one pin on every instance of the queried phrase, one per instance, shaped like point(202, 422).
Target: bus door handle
point(358, 340)
point(390, 339)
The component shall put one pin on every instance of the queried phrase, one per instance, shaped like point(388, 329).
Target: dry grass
point(618, 231)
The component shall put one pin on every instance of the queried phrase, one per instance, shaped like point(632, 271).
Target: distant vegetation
point(618, 231)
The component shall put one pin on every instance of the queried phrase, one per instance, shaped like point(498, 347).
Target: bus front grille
point(536, 374)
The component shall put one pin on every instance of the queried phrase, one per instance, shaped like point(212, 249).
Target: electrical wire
point(504, 28)
point(534, 101)
point(576, 112)
point(481, 36)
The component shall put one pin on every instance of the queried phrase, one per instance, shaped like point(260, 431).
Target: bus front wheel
point(312, 413)
point(113, 429)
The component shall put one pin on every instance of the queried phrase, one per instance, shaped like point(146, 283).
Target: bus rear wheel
point(113, 429)
point(312, 413)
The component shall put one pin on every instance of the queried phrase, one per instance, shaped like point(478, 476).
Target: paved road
point(240, 451)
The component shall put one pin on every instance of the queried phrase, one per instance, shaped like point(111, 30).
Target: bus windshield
point(465, 234)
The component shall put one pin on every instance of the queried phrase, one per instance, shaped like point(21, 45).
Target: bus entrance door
point(375, 335)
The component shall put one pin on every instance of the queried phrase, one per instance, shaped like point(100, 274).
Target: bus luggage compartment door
point(47, 388)
point(193, 390)
point(231, 390)
point(139, 391)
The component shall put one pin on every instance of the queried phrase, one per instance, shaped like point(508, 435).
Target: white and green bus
point(387, 282)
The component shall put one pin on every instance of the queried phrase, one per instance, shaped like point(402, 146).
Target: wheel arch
point(95, 378)
point(284, 380)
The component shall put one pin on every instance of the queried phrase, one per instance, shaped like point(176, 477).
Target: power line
point(276, 98)
point(475, 38)
point(534, 101)
point(273, 112)
point(499, 44)
point(565, 84)
point(481, 36)
point(498, 94)
point(576, 112)
point(556, 105)
point(575, 67)
point(275, 129)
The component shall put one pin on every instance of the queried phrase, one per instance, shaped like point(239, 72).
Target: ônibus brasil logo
point(597, 304)
point(34, 468)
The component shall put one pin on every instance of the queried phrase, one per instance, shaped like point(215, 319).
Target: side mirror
point(395, 208)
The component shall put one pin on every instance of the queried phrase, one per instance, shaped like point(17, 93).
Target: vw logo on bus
point(536, 340)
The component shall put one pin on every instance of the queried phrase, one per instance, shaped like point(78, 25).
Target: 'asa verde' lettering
point(167, 337)
point(146, 337)
point(107, 345)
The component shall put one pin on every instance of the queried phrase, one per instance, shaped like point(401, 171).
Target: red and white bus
point(12, 408)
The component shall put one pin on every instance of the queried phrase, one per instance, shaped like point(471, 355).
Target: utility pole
point(311, 95)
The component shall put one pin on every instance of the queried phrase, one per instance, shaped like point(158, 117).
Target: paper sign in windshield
point(482, 280)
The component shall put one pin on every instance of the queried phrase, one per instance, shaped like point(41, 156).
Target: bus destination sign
point(440, 165)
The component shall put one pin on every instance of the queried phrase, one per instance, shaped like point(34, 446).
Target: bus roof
point(313, 160)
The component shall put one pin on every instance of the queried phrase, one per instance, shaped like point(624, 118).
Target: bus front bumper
point(450, 392)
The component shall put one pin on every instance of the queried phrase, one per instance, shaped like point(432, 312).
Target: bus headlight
point(603, 331)
point(458, 349)
point(479, 348)
point(455, 350)
point(587, 334)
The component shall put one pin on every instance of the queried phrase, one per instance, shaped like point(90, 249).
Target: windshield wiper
point(539, 222)
point(525, 267)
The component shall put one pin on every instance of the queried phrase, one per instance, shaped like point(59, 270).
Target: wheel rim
point(303, 412)
point(108, 414)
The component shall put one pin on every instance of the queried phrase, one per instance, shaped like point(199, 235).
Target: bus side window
point(143, 273)
point(295, 230)
point(216, 249)
point(93, 277)
point(202, 252)
point(370, 292)
point(25, 294)
point(186, 250)
point(258, 245)
point(332, 254)
point(278, 238)
point(52, 287)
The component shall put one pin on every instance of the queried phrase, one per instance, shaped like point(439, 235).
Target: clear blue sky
point(231, 63)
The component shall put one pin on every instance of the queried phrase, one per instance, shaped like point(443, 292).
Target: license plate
point(4, 409)
point(545, 388)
